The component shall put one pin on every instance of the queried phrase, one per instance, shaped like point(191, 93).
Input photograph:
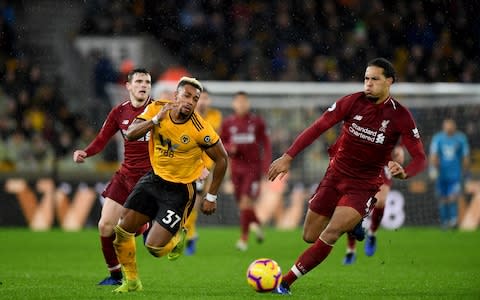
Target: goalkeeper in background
point(449, 159)
point(214, 118)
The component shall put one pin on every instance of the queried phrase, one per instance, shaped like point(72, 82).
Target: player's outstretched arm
point(280, 166)
point(108, 130)
point(218, 154)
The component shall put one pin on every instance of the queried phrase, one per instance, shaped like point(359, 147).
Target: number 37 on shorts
point(171, 219)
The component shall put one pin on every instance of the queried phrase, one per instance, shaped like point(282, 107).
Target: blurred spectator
point(126, 65)
point(104, 72)
point(174, 73)
point(9, 83)
point(34, 79)
point(8, 12)
point(42, 155)
point(19, 150)
point(7, 39)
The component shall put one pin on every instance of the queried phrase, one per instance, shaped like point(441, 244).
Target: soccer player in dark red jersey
point(373, 123)
point(377, 212)
point(244, 135)
point(136, 163)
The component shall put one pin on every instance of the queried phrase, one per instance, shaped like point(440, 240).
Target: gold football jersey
point(176, 148)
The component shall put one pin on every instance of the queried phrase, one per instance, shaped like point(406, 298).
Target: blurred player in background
point(166, 195)
point(377, 212)
point(449, 159)
point(214, 118)
point(135, 164)
point(373, 123)
point(248, 145)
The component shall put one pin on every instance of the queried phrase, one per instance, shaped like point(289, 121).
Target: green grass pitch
point(410, 263)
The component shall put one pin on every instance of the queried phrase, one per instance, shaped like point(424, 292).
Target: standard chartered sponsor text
point(362, 132)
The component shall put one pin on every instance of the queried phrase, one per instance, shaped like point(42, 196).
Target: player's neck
point(138, 103)
point(178, 117)
point(382, 99)
point(242, 115)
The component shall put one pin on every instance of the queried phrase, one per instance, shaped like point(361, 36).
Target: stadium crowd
point(37, 128)
point(240, 40)
point(428, 41)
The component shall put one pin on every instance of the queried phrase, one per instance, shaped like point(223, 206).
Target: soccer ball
point(264, 275)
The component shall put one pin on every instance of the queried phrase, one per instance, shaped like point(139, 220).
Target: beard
point(372, 98)
point(183, 116)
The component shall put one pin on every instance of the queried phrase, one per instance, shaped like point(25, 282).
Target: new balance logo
point(358, 118)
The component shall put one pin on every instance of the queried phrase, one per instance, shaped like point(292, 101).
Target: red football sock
point(253, 217)
point(309, 259)
point(245, 219)
point(247, 216)
point(351, 241)
point(109, 253)
point(377, 215)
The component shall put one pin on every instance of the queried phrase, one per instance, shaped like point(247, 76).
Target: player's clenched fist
point(79, 156)
point(396, 170)
point(208, 207)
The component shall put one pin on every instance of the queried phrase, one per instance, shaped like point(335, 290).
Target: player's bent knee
point(105, 228)
point(309, 240)
point(310, 237)
point(157, 251)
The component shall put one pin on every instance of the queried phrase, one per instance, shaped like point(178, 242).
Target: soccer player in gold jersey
point(178, 137)
point(214, 117)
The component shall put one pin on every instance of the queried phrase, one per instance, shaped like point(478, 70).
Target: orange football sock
point(191, 225)
point(126, 252)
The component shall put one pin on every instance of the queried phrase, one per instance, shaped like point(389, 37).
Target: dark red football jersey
point(246, 141)
point(136, 159)
point(369, 133)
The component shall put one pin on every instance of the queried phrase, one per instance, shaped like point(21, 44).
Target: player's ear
point(390, 81)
